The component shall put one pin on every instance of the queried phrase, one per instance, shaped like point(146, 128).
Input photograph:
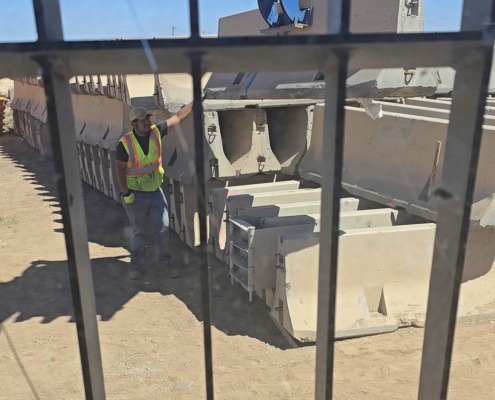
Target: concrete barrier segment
point(253, 215)
point(445, 104)
point(99, 122)
point(382, 286)
point(175, 90)
point(246, 142)
point(392, 160)
point(219, 166)
point(429, 112)
point(393, 82)
point(349, 205)
point(217, 213)
point(178, 153)
point(189, 211)
point(447, 79)
point(303, 219)
point(252, 253)
point(253, 199)
point(172, 193)
point(105, 165)
point(290, 130)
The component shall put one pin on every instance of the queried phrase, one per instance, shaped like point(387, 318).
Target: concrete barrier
point(253, 215)
point(218, 201)
point(381, 286)
point(100, 108)
point(393, 159)
point(383, 276)
point(443, 104)
point(252, 248)
point(251, 251)
point(290, 130)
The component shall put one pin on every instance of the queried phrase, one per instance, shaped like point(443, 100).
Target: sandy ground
point(151, 331)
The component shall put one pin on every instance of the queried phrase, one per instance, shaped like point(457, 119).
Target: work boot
point(134, 273)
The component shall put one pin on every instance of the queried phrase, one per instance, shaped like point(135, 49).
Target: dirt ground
point(151, 331)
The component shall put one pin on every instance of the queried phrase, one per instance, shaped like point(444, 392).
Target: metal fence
point(469, 52)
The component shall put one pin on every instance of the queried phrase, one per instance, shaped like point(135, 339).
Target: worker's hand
point(129, 198)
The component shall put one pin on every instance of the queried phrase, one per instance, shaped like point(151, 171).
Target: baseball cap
point(138, 113)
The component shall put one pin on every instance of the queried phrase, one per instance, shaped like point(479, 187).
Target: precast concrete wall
point(253, 215)
point(218, 203)
point(29, 109)
point(444, 104)
point(430, 111)
point(251, 251)
point(290, 130)
point(393, 159)
point(380, 271)
point(173, 91)
point(447, 80)
point(248, 151)
point(252, 248)
point(383, 280)
point(243, 139)
point(100, 109)
point(184, 216)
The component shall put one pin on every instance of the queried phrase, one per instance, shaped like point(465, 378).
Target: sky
point(120, 19)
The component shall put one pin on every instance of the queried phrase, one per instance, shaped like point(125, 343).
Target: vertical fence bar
point(201, 196)
point(63, 138)
point(48, 20)
point(455, 196)
point(331, 182)
point(199, 147)
point(194, 17)
point(477, 14)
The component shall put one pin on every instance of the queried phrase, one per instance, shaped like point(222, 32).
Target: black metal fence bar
point(331, 182)
point(61, 122)
point(201, 196)
point(455, 200)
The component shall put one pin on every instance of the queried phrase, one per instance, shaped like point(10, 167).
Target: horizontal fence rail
point(243, 54)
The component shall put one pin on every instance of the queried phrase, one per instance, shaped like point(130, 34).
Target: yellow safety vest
point(144, 172)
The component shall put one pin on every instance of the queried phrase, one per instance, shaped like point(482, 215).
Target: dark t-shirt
point(144, 142)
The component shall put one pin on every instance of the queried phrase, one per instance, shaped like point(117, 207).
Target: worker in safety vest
point(140, 174)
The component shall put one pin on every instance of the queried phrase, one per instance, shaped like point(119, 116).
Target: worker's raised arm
point(180, 116)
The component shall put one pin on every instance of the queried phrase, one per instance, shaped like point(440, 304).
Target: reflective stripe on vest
point(135, 166)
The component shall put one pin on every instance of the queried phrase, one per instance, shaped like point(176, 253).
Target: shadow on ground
point(43, 290)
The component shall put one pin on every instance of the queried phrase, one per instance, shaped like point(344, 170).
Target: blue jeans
point(148, 213)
